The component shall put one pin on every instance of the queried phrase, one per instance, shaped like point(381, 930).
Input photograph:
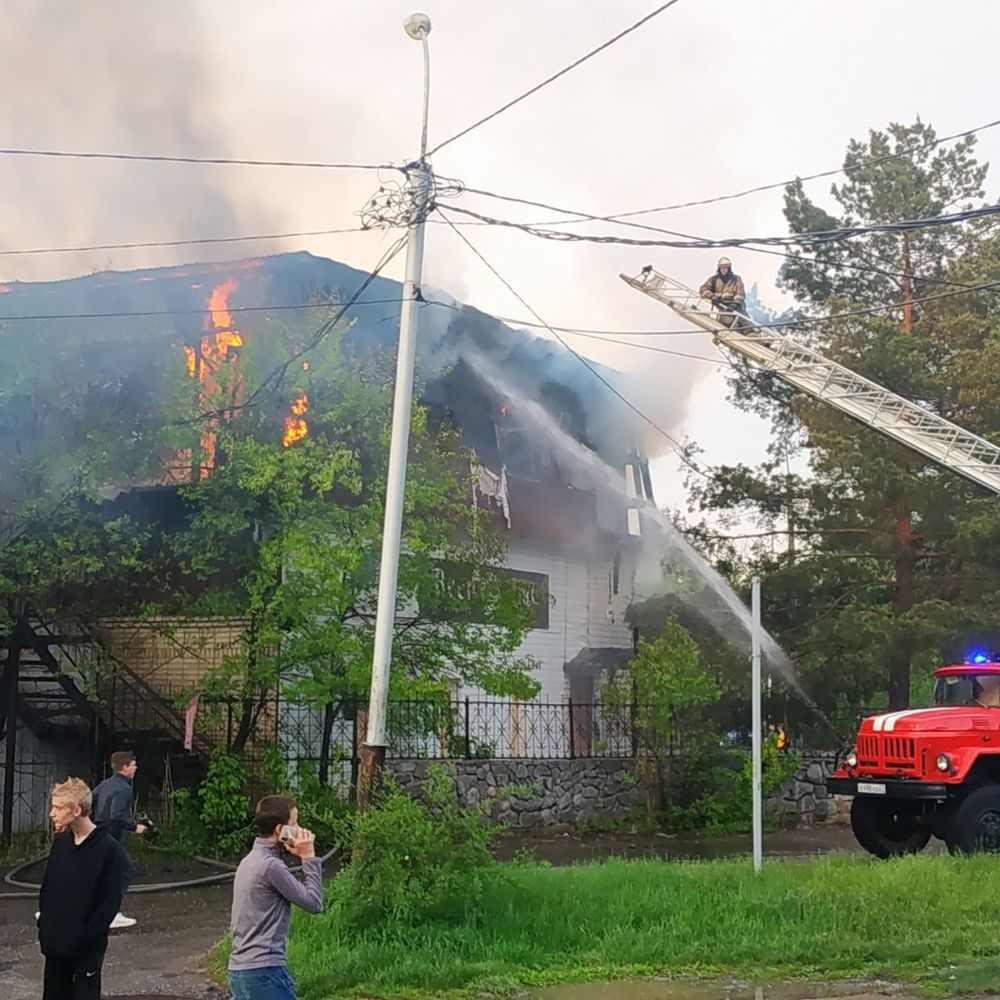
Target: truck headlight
point(851, 760)
point(943, 762)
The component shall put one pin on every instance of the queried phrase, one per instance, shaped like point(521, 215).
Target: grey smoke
point(713, 598)
point(110, 76)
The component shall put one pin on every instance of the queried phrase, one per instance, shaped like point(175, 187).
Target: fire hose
point(220, 878)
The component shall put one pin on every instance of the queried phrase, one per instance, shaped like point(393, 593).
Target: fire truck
point(922, 772)
point(930, 771)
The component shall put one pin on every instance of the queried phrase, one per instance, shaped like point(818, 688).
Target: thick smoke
point(124, 76)
point(110, 77)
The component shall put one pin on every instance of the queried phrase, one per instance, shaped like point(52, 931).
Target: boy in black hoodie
point(81, 893)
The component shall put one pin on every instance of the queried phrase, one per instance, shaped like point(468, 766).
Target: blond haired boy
point(81, 893)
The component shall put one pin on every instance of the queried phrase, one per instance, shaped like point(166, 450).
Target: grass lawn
point(934, 920)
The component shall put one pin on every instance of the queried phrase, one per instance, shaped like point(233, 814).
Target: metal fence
point(464, 729)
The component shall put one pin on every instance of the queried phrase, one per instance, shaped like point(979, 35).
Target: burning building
point(558, 457)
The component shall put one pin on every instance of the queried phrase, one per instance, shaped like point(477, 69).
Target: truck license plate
point(871, 788)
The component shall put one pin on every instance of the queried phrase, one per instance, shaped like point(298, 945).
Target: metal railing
point(464, 729)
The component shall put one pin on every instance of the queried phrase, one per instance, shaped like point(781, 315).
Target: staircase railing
point(124, 701)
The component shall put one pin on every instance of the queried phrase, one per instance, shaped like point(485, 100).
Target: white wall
point(584, 611)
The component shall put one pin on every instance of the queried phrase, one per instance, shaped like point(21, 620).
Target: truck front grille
point(887, 753)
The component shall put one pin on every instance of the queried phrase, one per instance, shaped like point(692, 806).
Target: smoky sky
point(686, 108)
point(107, 76)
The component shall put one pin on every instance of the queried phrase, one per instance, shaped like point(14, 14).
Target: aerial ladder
point(806, 370)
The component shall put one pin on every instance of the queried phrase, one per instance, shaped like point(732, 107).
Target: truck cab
point(931, 771)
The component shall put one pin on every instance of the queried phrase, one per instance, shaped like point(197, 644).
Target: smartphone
point(288, 834)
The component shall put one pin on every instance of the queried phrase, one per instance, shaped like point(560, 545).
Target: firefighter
point(725, 291)
point(986, 691)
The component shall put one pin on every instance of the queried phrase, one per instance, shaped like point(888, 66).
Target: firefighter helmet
point(725, 262)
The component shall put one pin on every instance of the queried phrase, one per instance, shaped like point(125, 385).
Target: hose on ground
point(11, 878)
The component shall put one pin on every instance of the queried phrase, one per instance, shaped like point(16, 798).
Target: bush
point(415, 862)
point(712, 788)
point(226, 811)
point(217, 819)
point(322, 807)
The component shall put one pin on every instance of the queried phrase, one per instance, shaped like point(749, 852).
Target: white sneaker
point(121, 922)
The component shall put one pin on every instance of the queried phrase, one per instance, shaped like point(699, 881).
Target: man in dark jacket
point(113, 809)
point(725, 291)
point(81, 893)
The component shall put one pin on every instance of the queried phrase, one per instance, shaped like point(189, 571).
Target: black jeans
point(128, 869)
point(75, 978)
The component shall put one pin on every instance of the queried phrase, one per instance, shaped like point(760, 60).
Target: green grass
point(24, 847)
point(910, 919)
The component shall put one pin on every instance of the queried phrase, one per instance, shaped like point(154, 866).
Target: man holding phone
point(263, 893)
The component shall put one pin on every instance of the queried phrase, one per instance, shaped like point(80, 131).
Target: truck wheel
point(977, 822)
point(886, 828)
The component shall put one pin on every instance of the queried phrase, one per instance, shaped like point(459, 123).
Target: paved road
point(162, 955)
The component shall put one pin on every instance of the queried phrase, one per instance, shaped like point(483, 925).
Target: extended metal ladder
point(808, 371)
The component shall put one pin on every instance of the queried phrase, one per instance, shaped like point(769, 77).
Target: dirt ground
point(573, 848)
point(162, 957)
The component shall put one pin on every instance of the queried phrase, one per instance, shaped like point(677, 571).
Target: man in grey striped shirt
point(263, 893)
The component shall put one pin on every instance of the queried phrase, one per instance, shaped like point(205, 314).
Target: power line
point(186, 312)
point(986, 286)
point(272, 382)
point(213, 160)
point(852, 168)
point(184, 243)
point(531, 324)
point(820, 238)
point(652, 347)
point(617, 220)
point(555, 76)
point(674, 443)
point(301, 306)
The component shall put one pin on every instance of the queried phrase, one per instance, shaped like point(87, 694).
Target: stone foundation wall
point(536, 793)
point(546, 793)
point(804, 800)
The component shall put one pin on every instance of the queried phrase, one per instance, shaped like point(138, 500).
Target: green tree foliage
point(75, 426)
point(300, 530)
point(286, 538)
point(663, 687)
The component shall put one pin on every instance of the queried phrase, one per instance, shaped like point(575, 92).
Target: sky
point(708, 98)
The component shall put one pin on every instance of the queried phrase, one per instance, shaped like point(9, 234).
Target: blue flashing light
point(978, 658)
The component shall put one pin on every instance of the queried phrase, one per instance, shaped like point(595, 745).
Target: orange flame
point(296, 427)
point(208, 360)
point(218, 304)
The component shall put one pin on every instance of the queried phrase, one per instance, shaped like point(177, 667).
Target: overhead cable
point(555, 76)
point(197, 241)
point(842, 265)
point(848, 169)
point(212, 160)
point(678, 448)
point(299, 306)
point(687, 242)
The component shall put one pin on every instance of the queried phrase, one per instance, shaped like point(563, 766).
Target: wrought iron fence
point(464, 729)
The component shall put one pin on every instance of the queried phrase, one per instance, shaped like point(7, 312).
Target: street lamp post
point(420, 181)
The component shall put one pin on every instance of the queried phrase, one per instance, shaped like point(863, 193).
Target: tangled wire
point(405, 204)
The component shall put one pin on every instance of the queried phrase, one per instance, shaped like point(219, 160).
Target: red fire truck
point(930, 771)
